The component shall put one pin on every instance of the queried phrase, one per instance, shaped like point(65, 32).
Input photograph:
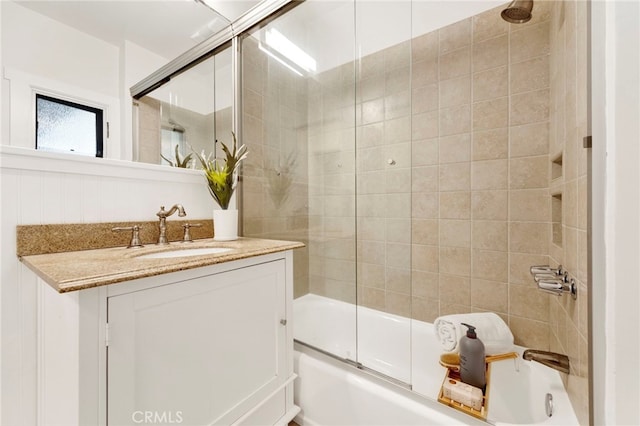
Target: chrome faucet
point(163, 215)
point(550, 359)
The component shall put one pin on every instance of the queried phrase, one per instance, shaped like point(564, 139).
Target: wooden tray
point(480, 414)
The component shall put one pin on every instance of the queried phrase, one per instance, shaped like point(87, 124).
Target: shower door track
point(359, 366)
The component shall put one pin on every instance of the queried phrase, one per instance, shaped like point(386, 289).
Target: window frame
point(99, 122)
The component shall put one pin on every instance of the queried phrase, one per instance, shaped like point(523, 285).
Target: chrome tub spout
point(553, 360)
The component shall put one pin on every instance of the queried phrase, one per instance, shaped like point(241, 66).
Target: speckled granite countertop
point(78, 270)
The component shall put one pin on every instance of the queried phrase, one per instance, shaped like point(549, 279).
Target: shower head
point(518, 12)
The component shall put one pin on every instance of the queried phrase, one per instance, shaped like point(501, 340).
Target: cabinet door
point(202, 351)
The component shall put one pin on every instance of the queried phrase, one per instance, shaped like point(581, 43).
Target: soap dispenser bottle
point(472, 361)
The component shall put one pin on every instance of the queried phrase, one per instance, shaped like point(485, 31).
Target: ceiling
point(165, 27)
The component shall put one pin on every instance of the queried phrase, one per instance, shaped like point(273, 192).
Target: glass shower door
point(298, 115)
point(383, 152)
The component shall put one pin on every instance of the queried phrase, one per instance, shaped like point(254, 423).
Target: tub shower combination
point(370, 385)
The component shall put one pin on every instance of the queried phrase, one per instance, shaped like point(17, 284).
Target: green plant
point(182, 163)
point(222, 176)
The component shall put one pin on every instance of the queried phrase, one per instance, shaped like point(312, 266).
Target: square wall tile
point(455, 149)
point(371, 135)
point(424, 125)
point(398, 280)
point(489, 205)
point(455, 289)
point(529, 107)
point(491, 53)
point(529, 75)
point(455, 177)
point(491, 114)
point(425, 284)
point(490, 265)
point(489, 174)
point(424, 152)
point(455, 120)
point(455, 233)
point(529, 302)
point(372, 275)
point(455, 205)
point(529, 172)
point(491, 84)
point(529, 140)
point(530, 205)
point(489, 295)
point(425, 309)
point(424, 99)
point(490, 144)
point(529, 333)
point(425, 258)
point(425, 231)
point(529, 237)
point(455, 261)
point(397, 105)
point(456, 91)
point(424, 205)
point(424, 179)
point(455, 64)
point(398, 230)
point(489, 235)
point(398, 255)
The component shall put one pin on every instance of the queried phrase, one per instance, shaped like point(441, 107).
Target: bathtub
point(332, 392)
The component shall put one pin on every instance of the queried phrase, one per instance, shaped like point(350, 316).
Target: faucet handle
point(135, 234)
point(546, 269)
point(187, 234)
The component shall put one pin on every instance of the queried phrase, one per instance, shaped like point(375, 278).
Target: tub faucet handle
point(135, 234)
point(546, 269)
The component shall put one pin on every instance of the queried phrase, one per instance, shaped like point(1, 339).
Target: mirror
point(190, 112)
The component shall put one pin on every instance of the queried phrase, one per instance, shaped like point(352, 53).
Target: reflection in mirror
point(190, 111)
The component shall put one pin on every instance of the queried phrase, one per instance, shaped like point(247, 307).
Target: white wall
point(616, 211)
point(40, 188)
point(38, 45)
point(39, 53)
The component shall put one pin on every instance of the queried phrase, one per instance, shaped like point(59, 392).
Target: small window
point(64, 126)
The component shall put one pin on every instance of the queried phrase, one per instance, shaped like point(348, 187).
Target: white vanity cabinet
point(207, 350)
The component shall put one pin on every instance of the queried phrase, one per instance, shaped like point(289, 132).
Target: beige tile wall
point(454, 222)
point(445, 197)
point(484, 216)
point(568, 318)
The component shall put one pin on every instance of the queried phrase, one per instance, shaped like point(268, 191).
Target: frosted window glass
point(67, 127)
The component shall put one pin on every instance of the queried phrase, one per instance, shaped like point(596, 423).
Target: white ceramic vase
point(225, 224)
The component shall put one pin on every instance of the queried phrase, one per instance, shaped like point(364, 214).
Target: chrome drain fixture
point(548, 404)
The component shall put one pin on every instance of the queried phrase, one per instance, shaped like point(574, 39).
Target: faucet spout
point(163, 215)
point(553, 360)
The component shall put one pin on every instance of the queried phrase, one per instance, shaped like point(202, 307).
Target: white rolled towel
point(490, 328)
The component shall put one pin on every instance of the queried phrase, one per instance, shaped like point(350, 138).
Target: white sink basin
point(185, 253)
